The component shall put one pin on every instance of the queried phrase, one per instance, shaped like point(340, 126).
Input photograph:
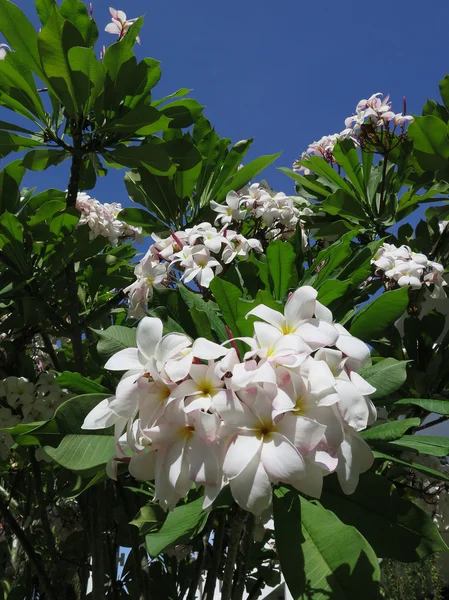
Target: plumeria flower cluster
point(374, 122)
point(433, 494)
point(403, 267)
point(119, 24)
point(277, 213)
point(198, 413)
point(22, 401)
point(102, 220)
point(196, 254)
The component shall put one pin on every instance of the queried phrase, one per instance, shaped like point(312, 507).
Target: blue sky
point(283, 72)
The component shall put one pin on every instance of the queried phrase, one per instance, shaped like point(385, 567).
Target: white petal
point(170, 345)
point(149, 332)
point(141, 466)
point(312, 482)
point(126, 398)
point(124, 360)
point(317, 333)
point(352, 405)
point(281, 459)
point(302, 432)
point(203, 462)
point(363, 386)
point(300, 305)
point(100, 417)
point(269, 315)
point(240, 452)
point(179, 369)
point(206, 350)
point(252, 489)
point(353, 347)
point(355, 457)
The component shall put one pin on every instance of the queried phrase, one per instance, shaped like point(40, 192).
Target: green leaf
point(44, 8)
point(70, 415)
point(139, 218)
point(429, 135)
point(115, 338)
point(387, 432)
point(387, 376)
point(308, 183)
point(182, 113)
point(281, 258)
point(83, 452)
point(18, 88)
point(147, 518)
point(46, 212)
point(328, 261)
point(11, 142)
point(55, 40)
point(396, 528)
point(227, 297)
point(10, 179)
point(245, 174)
point(184, 153)
point(346, 155)
point(319, 166)
point(231, 164)
point(89, 86)
point(373, 319)
point(333, 289)
point(151, 156)
point(181, 525)
point(411, 465)
point(75, 382)
point(76, 12)
point(439, 407)
point(139, 121)
point(194, 300)
point(20, 35)
point(39, 160)
point(343, 204)
point(425, 444)
point(325, 558)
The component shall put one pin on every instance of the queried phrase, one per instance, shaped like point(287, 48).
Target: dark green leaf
point(372, 320)
point(280, 258)
point(227, 297)
point(343, 204)
point(346, 155)
point(39, 160)
point(425, 444)
point(115, 338)
point(387, 376)
point(245, 174)
point(83, 452)
point(182, 113)
point(75, 382)
point(210, 308)
point(387, 432)
point(410, 465)
point(432, 405)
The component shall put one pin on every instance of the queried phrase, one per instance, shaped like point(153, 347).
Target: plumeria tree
point(232, 382)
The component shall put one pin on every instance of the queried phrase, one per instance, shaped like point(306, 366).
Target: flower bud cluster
point(375, 112)
point(289, 409)
point(403, 267)
point(196, 254)
point(102, 220)
point(24, 402)
point(276, 212)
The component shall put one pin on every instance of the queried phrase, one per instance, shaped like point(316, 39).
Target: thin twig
point(432, 423)
point(245, 548)
point(42, 504)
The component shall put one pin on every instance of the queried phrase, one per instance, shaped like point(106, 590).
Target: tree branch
point(28, 549)
point(432, 423)
point(212, 574)
point(237, 526)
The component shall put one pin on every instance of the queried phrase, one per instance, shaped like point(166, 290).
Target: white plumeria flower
point(231, 211)
point(202, 389)
point(120, 24)
point(298, 318)
point(150, 274)
point(210, 238)
point(202, 268)
point(185, 452)
point(354, 457)
point(3, 49)
point(239, 246)
point(263, 451)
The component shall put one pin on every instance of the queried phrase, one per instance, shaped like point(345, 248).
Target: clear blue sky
point(283, 72)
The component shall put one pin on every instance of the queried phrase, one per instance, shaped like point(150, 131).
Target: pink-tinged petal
point(304, 433)
point(330, 417)
point(199, 403)
point(320, 377)
point(161, 434)
point(203, 462)
point(251, 489)
point(327, 461)
point(317, 333)
point(312, 482)
point(149, 332)
point(233, 411)
point(281, 459)
point(100, 417)
point(207, 426)
point(141, 466)
point(352, 405)
point(179, 369)
point(113, 28)
point(125, 359)
point(171, 345)
point(283, 402)
point(113, 12)
point(186, 388)
point(126, 399)
point(241, 451)
point(206, 350)
point(355, 457)
point(269, 315)
point(353, 347)
point(361, 384)
point(323, 313)
point(121, 16)
point(333, 358)
point(301, 305)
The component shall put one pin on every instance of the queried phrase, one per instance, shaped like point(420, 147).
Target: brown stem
point(212, 575)
point(51, 351)
point(28, 549)
point(237, 526)
point(42, 504)
point(245, 548)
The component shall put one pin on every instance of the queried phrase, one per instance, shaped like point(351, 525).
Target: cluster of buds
point(102, 220)
point(275, 214)
point(197, 413)
point(403, 267)
point(194, 255)
point(374, 127)
point(22, 401)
